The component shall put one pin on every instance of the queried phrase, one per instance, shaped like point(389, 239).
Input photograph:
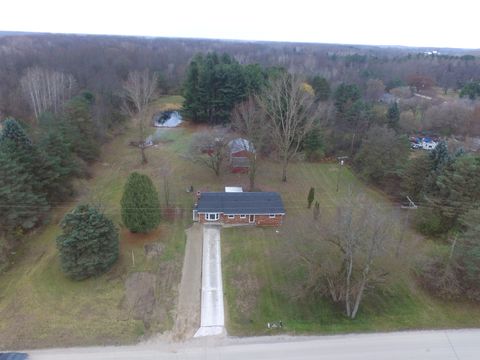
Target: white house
point(428, 144)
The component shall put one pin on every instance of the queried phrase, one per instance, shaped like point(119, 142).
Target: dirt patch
point(136, 239)
point(187, 320)
point(140, 295)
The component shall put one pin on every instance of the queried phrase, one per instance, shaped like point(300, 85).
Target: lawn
point(259, 288)
point(40, 307)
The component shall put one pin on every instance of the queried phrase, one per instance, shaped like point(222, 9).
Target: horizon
point(344, 22)
point(20, 33)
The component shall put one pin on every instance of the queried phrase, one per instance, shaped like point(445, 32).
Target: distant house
point(239, 208)
point(240, 152)
point(425, 143)
point(388, 98)
point(428, 143)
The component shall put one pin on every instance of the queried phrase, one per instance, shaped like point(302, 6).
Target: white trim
point(243, 216)
point(231, 216)
point(208, 216)
point(271, 216)
point(250, 219)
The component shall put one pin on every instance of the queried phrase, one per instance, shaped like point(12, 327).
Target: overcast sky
point(438, 23)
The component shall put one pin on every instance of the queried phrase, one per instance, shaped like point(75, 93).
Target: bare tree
point(139, 90)
point(289, 112)
point(209, 148)
point(47, 90)
point(248, 119)
point(351, 254)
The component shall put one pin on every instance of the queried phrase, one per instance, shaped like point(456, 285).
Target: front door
point(251, 219)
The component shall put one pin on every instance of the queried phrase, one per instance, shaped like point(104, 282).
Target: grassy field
point(259, 287)
point(40, 307)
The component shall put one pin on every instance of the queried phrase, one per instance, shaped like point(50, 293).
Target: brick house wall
point(261, 220)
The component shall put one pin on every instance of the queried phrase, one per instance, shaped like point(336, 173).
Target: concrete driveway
point(212, 318)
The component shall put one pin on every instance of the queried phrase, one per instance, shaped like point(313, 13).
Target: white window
point(231, 216)
point(243, 216)
point(211, 216)
point(271, 216)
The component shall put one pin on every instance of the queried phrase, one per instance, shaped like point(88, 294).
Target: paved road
point(412, 345)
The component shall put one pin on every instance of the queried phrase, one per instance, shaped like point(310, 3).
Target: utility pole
point(341, 161)
point(411, 206)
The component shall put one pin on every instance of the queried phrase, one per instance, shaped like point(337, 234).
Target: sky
point(423, 23)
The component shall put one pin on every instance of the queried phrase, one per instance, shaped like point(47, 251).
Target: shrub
point(89, 243)
point(140, 204)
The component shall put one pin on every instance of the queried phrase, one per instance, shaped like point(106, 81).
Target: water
point(167, 119)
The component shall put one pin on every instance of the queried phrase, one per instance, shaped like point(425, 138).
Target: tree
point(471, 90)
point(414, 177)
point(88, 244)
point(321, 87)
point(468, 254)
point(345, 96)
point(382, 155)
point(248, 120)
point(311, 197)
point(21, 207)
point(139, 91)
point(393, 116)
point(375, 89)
point(209, 148)
point(215, 84)
point(289, 113)
point(352, 253)
point(140, 204)
point(47, 90)
point(313, 145)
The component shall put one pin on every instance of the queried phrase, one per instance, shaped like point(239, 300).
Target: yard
point(40, 307)
point(260, 288)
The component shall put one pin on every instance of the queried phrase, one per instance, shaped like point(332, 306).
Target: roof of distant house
point(245, 203)
point(240, 144)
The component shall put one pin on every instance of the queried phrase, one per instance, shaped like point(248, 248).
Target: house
point(240, 152)
point(239, 208)
point(428, 143)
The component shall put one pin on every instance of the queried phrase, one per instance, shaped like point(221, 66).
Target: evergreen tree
point(14, 132)
point(89, 243)
point(21, 207)
point(214, 84)
point(311, 197)
point(140, 204)
point(59, 159)
point(414, 178)
point(321, 87)
point(313, 145)
point(79, 128)
point(345, 96)
point(393, 115)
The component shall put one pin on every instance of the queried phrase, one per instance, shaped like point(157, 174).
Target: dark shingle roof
point(241, 203)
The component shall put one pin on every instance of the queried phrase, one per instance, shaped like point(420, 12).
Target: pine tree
point(14, 132)
point(21, 207)
point(60, 161)
point(140, 204)
point(393, 115)
point(311, 197)
point(89, 243)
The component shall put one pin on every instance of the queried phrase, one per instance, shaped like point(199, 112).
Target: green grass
point(40, 307)
point(260, 289)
